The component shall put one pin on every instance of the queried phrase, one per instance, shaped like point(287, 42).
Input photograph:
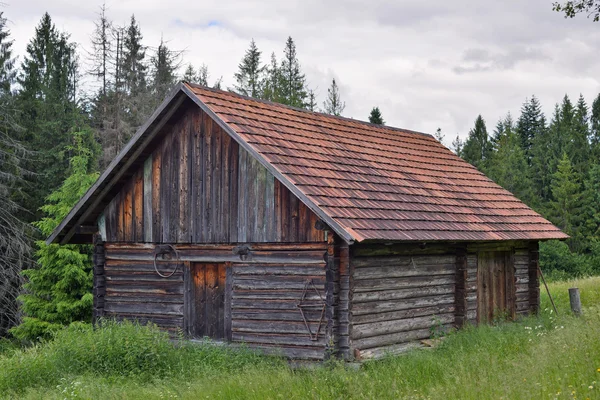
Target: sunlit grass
point(543, 357)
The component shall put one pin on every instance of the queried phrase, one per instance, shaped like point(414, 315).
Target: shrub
point(559, 262)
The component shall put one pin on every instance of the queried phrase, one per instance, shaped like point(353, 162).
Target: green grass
point(538, 358)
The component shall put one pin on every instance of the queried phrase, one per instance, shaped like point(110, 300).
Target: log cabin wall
point(402, 293)
point(275, 298)
point(199, 186)
point(399, 295)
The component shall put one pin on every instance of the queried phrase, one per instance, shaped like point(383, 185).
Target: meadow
point(545, 357)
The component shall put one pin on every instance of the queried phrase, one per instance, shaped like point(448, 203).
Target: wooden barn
point(300, 233)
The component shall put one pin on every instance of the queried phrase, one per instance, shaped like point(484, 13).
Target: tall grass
point(543, 357)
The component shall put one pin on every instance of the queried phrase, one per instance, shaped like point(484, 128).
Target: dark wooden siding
point(262, 293)
point(399, 298)
point(400, 293)
point(199, 186)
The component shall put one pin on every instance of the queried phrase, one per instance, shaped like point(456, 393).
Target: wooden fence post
point(575, 301)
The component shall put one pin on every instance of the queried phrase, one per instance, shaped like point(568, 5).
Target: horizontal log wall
point(398, 300)
point(199, 186)
point(266, 289)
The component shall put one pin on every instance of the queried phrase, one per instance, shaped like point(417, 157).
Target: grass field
point(548, 357)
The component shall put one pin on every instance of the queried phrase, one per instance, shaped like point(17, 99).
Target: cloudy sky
point(426, 64)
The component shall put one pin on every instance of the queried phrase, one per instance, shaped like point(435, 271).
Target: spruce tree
point(190, 74)
point(292, 82)
point(271, 84)
point(249, 78)
point(101, 52)
point(547, 149)
point(311, 105)
point(478, 146)
point(333, 104)
point(578, 147)
point(507, 165)
point(531, 122)
point(595, 129)
point(133, 64)
point(566, 203)
point(59, 290)
point(375, 117)
point(457, 146)
point(48, 109)
point(164, 66)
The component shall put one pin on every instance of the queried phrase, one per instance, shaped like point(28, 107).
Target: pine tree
point(333, 104)
point(48, 109)
point(375, 117)
point(530, 124)
point(203, 75)
point(566, 197)
point(58, 291)
point(249, 78)
point(477, 147)
point(271, 88)
point(546, 149)
point(292, 82)
point(592, 202)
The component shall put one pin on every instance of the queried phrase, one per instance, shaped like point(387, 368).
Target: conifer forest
point(57, 135)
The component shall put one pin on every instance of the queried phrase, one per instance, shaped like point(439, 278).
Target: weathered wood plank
point(403, 293)
point(401, 325)
point(138, 206)
point(361, 286)
point(147, 193)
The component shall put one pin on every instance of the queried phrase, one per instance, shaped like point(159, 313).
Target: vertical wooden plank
point(189, 320)
point(165, 193)
point(225, 188)
point(285, 214)
point(212, 307)
point(501, 283)
point(294, 205)
point(156, 195)
point(233, 192)
point(534, 279)
point(216, 182)
point(184, 180)
point(199, 273)
point(221, 286)
point(138, 206)
point(490, 286)
point(460, 288)
point(102, 226)
point(482, 282)
point(277, 212)
point(128, 212)
point(174, 187)
point(303, 222)
point(198, 177)
point(148, 200)
point(208, 161)
point(260, 191)
point(242, 196)
point(510, 285)
point(120, 216)
point(228, 299)
point(270, 229)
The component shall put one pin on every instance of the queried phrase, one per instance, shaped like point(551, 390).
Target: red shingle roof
point(378, 183)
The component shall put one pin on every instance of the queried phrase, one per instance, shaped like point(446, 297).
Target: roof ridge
point(303, 110)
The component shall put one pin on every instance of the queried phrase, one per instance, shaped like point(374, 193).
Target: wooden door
point(206, 301)
point(495, 286)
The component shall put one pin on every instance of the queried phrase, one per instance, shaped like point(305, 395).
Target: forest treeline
point(66, 112)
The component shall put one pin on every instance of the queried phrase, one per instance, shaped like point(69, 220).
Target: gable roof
point(367, 182)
